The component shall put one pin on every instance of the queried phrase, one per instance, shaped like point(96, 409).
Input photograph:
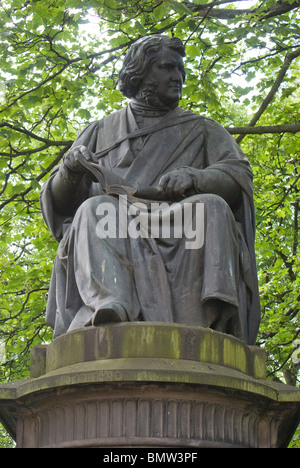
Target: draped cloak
point(162, 281)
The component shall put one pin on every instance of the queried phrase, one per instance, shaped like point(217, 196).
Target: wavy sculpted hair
point(139, 58)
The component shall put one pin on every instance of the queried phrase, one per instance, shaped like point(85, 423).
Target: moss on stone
point(149, 341)
point(65, 350)
point(234, 355)
point(210, 349)
point(259, 366)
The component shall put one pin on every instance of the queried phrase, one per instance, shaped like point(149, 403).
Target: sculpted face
point(162, 86)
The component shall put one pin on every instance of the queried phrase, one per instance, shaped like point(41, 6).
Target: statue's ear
point(133, 86)
point(135, 82)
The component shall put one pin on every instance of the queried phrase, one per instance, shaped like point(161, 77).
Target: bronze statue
point(149, 152)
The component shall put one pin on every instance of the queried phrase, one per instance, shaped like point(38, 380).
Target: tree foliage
point(59, 63)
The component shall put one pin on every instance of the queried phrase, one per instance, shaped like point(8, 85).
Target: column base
point(148, 384)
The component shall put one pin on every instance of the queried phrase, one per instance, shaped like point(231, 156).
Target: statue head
point(141, 73)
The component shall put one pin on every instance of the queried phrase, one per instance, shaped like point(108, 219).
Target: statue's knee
point(92, 206)
point(214, 201)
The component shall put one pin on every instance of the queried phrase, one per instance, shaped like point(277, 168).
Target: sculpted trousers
point(145, 278)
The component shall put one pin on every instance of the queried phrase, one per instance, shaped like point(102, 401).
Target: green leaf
point(181, 8)
point(58, 71)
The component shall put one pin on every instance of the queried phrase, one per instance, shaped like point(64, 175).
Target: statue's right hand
point(70, 160)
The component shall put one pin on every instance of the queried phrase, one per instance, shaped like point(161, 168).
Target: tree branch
point(64, 67)
point(259, 130)
point(35, 136)
point(282, 72)
point(38, 178)
point(278, 9)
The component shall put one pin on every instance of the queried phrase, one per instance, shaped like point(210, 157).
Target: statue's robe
point(155, 279)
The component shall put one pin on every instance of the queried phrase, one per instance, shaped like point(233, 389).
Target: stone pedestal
point(148, 385)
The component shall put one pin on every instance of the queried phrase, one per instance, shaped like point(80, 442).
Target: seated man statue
point(153, 153)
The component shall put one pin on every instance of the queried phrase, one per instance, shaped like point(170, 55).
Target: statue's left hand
point(177, 183)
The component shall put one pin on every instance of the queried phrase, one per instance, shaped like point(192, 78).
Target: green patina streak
point(234, 355)
point(259, 367)
point(149, 341)
point(210, 349)
point(67, 350)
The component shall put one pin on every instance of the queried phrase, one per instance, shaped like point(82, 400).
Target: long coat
point(155, 279)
